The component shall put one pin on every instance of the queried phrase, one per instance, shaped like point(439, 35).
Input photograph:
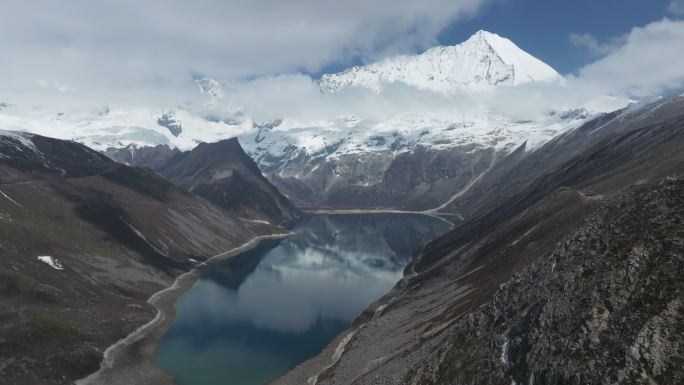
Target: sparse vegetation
point(49, 326)
point(13, 282)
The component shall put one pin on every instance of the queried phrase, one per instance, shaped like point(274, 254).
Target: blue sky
point(543, 27)
point(84, 52)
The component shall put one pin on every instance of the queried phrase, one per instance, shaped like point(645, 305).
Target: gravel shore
point(131, 360)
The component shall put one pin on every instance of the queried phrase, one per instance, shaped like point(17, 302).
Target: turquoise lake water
point(252, 318)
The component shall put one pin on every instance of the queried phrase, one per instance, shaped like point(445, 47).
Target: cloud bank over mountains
point(647, 61)
point(80, 55)
point(112, 48)
point(650, 61)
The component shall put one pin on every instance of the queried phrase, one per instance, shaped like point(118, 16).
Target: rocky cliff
point(224, 174)
point(491, 281)
point(220, 172)
point(150, 157)
point(606, 306)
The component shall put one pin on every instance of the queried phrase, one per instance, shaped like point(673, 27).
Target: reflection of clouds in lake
point(290, 293)
point(330, 272)
point(332, 257)
point(281, 303)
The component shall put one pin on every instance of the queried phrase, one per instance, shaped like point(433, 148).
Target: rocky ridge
point(221, 172)
point(519, 215)
point(605, 307)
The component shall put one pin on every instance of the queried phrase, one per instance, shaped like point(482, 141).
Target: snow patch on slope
point(19, 140)
point(51, 261)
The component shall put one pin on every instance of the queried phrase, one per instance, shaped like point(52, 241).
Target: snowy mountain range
point(411, 160)
point(483, 62)
point(321, 157)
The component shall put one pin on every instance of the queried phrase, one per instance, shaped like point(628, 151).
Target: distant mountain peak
point(481, 63)
point(483, 35)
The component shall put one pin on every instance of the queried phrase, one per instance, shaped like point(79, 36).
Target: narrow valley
point(443, 192)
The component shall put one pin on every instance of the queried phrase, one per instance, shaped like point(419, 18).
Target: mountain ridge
point(483, 61)
point(85, 242)
point(468, 307)
point(406, 161)
point(224, 174)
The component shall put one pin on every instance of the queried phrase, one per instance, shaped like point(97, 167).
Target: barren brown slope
point(220, 172)
point(119, 234)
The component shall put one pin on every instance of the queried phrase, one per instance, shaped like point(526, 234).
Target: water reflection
point(256, 316)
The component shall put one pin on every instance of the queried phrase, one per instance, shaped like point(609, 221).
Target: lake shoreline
point(440, 216)
point(131, 359)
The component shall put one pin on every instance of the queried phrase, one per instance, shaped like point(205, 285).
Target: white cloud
point(646, 61)
point(593, 47)
point(149, 50)
point(676, 7)
point(650, 62)
point(86, 58)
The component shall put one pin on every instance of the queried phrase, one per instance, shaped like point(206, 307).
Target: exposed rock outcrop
point(224, 174)
point(417, 180)
point(605, 307)
point(220, 172)
point(150, 157)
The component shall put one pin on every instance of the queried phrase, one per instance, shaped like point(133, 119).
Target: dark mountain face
point(605, 306)
point(417, 180)
point(224, 174)
point(220, 172)
point(150, 157)
point(612, 151)
point(84, 242)
point(461, 179)
point(554, 261)
point(45, 156)
point(603, 156)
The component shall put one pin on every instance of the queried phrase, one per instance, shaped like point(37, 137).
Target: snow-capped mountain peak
point(481, 63)
point(527, 68)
